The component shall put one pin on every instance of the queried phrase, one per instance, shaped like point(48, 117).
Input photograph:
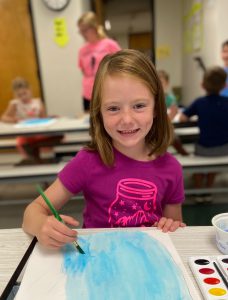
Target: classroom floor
point(15, 197)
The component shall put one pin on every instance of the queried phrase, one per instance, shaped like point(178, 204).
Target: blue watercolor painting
point(120, 266)
point(36, 122)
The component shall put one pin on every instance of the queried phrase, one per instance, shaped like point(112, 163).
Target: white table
point(33, 173)
point(190, 241)
point(63, 125)
point(187, 131)
point(60, 126)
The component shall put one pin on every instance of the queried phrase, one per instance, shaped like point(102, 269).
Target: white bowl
point(220, 223)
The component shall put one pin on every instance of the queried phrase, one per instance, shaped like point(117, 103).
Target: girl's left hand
point(168, 224)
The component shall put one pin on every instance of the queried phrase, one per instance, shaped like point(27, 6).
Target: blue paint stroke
point(120, 266)
point(37, 121)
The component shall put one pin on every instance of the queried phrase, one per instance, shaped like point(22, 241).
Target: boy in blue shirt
point(212, 112)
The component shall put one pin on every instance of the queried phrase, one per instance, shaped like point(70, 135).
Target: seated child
point(212, 112)
point(170, 99)
point(172, 108)
point(127, 177)
point(23, 107)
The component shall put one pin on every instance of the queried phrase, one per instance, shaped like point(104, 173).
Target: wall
point(173, 38)
point(168, 38)
point(61, 77)
point(223, 24)
point(214, 32)
point(132, 16)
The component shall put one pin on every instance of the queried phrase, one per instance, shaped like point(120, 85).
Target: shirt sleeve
point(74, 175)
point(170, 100)
point(191, 110)
point(113, 46)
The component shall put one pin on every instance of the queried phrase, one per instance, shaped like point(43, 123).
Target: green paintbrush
point(56, 215)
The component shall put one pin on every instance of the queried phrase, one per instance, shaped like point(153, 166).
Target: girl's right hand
point(54, 234)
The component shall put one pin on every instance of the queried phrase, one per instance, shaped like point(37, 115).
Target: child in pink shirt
point(96, 47)
point(125, 174)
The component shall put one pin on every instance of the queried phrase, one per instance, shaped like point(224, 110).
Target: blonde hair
point(19, 83)
point(129, 63)
point(89, 19)
point(163, 74)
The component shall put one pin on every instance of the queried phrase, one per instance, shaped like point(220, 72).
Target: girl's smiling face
point(88, 33)
point(127, 109)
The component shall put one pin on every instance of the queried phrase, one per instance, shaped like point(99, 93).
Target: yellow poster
point(193, 27)
point(61, 36)
point(163, 51)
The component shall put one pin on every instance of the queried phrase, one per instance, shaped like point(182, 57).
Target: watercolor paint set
point(211, 274)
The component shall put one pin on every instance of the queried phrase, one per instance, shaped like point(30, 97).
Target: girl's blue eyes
point(136, 106)
point(140, 105)
point(112, 108)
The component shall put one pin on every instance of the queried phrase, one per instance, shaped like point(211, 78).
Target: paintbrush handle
point(49, 204)
point(56, 215)
point(221, 274)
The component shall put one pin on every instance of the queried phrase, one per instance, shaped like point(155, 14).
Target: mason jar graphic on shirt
point(134, 204)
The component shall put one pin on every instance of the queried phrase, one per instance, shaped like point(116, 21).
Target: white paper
point(44, 277)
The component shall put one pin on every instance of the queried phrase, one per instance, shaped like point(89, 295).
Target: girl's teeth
point(128, 131)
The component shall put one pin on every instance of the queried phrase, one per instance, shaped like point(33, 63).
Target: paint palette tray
point(211, 274)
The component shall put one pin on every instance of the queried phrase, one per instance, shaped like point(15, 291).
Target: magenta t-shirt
point(89, 59)
point(130, 194)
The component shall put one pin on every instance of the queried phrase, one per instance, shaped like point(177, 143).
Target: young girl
point(170, 99)
point(127, 177)
point(96, 47)
point(23, 107)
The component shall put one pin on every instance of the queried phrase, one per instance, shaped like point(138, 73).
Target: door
point(17, 50)
point(141, 41)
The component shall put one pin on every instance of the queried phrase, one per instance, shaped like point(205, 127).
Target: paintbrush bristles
point(78, 247)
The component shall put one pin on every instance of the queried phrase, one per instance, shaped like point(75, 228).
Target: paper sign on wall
point(163, 51)
point(61, 37)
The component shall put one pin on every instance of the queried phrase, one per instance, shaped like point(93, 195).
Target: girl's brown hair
point(129, 63)
point(214, 80)
point(89, 19)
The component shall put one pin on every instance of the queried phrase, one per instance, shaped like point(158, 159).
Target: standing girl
point(127, 177)
point(96, 47)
